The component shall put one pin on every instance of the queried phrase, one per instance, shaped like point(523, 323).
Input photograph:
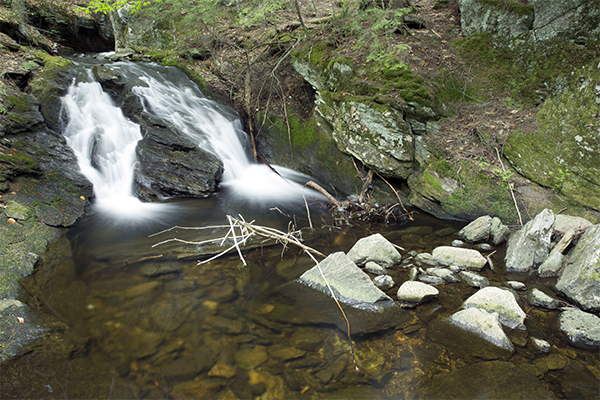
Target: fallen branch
point(323, 192)
point(510, 186)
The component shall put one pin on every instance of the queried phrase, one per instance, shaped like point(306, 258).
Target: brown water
point(132, 321)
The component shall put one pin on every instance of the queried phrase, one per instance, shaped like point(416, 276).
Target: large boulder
point(495, 17)
point(530, 246)
point(580, 281)
point(308, 299)
point(581, 328)
point(477, 231)
point(484, 324)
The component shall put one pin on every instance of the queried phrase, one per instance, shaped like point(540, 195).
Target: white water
point(98, 129)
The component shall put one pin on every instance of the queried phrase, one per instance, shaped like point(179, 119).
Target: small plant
point(560, 178)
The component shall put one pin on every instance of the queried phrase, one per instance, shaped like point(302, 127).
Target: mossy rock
point(564, 153)
point(460, 192)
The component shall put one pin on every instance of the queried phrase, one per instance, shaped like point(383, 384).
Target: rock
point(541, 345)
point(477, 231)
point(375, 269)
point(536, 297)
point(157, 268)
point(15, 335)
point(425, 260)
point(17, 210)
point(445, 274)
point(552, 266)
point(413, 274)
point(249, 358)
point(458, 243)
point(285, 353)
point(307, 300)
point(501, 301)
point(374, 248)
point(477, 17)
point(483, 247)
point(222, 369)
point(483, 324)
point(515, 285)
point(465, 258)
point(474, 279)
point(189, 366)
point(384, 282)
point(416, 292)
point(580, 327)
point(580, 280)
point(431, 280)
point(498, 232)
point(552, 362)
point(564, 223)
point(529, 247)
point(486, 380)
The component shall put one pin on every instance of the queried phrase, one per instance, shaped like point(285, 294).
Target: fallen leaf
point(21, 320)
point(82, 198)
point(12, 221)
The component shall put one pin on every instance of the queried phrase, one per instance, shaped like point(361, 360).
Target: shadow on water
point(132, 320)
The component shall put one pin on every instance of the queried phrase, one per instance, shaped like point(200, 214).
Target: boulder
point(580, 281)
point(384, 282)
point(416, 292)
point(374, 248)
point(529, 247)
point(580, 327)
point(564, 223)
point(552, 266)
point(465, 258)
point(484, 324)
point(495, 17)
point(308, 300)
point(501, 301)
point(478, 230)
point(536, 297)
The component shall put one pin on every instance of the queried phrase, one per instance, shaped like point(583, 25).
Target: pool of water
point(129, 320)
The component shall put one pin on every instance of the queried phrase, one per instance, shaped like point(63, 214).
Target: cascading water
point(104, 141)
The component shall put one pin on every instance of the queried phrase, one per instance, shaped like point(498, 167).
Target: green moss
point(303, 134)
point(19, 104)
point(510, 5)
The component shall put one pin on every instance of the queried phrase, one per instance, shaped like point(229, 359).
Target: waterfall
point(104, 141)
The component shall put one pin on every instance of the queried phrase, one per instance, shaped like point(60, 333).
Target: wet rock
point(189, 366)
point(483, 247)
point(226, 325)
point(458, 243)
point(443, 273)
point(157, 268)
point(170, 315)
point(222, 369)
point(16, 333)
point(580, 280)
point(285, 353)
point(482, 323)
point(425, 260)
point(185, 285)
point(149, 289)
point(541, 345)
point(552, 362)
point(536, 297)
point(416, 292)
point(501, 301)
point(529, 247)
point(498, 232)
point(413, 274)
point(375, 269)
point(384, 282)
point(477, 231)
point(248, 358)
point(488, 379)
point(473, 279)
point(351, 284)
point(308, 300)
point(580, 327)
point(465, 258)
point(17, 210)
point(375, 248)
point(431, 280)
point(308, 340)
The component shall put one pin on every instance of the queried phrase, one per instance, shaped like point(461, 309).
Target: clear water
point(134, 320)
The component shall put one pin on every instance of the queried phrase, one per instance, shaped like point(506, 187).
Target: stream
point(131, 317)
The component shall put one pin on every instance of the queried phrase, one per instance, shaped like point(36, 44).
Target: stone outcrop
point(530, 246)
point(580, 280)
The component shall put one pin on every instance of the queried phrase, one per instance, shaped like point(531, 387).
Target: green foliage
point(259, 11)
point(106, 6)
point(560, 178)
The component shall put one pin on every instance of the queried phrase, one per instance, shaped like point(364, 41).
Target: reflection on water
point(132, 321)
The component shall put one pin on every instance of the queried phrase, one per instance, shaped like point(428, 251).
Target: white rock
point(465, 258)
point(484, 324)
point(416, 292)
point(501, 301)
point(384, 282)
point(530, 246)
point(374, 248)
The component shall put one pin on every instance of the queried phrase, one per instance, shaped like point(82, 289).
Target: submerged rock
point(484, 324)
point(474, 279)
point(416, 292)
point(536, 297)
point(308, 300)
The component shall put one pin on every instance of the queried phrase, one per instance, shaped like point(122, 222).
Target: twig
point(307, 210)
point(510, 186)
point(397, 195)
point(323, 192)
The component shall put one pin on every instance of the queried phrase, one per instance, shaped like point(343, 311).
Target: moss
point(303, 134)
point(510, 5)
point(20, 162)
point(20, 104)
